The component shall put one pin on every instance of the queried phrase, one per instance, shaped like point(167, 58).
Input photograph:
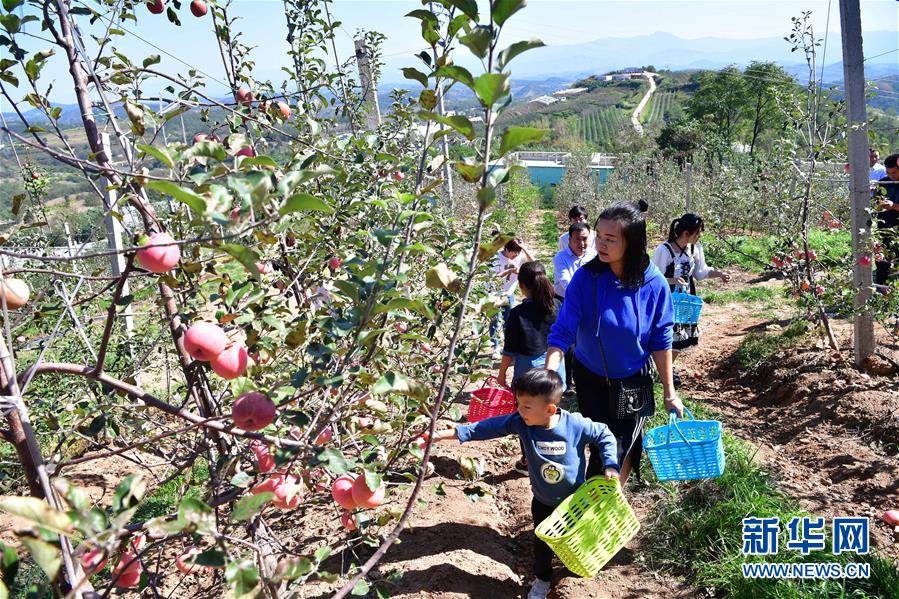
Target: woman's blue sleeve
point(662, 331)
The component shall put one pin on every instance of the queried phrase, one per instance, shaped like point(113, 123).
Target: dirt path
point(635, 118)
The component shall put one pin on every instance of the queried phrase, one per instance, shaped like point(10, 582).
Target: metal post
point(114, 237)
point(369, 86)
point(447, 171)
point(857, 128)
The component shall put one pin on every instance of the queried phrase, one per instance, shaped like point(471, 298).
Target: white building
point(544, 100)
point(571, 91)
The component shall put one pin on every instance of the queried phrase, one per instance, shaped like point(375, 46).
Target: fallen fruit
point(365, 497)
point(891, 517)
point(15, 292)
point(204, 341)
point(198, 8)
point(159, 254)
point(253, 411)
point(342, 491)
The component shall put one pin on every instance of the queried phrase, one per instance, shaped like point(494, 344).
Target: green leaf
point(471, 172)
point(456, 73)
point(400, 384)
point(206, 149)
point(490, 87)
point(486, 196)
point(185, 196)
point(468, 7)
point(505, 56)
point(249, 506)
point(46, 556)
point(9, 564)
point(9, 78)
point(424, 15)
point(372, 479)
point(402, 303)
point(304, 202)
point(459, 123)
point(11, 5)
point(503, 9)
point(441, 277)
point(478, 41)
point(37, 511)
point(156, 153)
point(336, 461)
point(212, 558)
point(514, 137)
point(242, 577)
point(195, 512)
point(135, 114)
point(129, 492)
point(246, 256)
point(293, 568)
point(428, 99)
point(322, 553)
point(151, 60)
point(360, 589)
point(415, 75)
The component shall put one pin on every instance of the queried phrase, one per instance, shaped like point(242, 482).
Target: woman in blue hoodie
point(618, 314)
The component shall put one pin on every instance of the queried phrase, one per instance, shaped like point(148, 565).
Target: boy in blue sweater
point(554, 442)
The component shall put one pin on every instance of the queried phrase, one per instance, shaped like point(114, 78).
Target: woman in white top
point(682, 261)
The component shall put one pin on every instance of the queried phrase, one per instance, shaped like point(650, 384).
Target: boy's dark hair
point(577, 211)
point(689, 223)
point(578, 227)
point(539, 382)
point(891, 161)
point(512, 246)
point(643, 205)
point(633, 232)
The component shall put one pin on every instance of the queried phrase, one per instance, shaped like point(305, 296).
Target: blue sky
point(556, 22)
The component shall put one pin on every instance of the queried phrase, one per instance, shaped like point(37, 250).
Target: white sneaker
point(540, 589)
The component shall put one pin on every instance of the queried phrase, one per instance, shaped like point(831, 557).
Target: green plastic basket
point(590, 526)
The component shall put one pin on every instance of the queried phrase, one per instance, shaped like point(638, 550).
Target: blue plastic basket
point(686, 450)
point(686, 307)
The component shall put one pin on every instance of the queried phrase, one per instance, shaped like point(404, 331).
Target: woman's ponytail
point(672, 232)
point(533, 276)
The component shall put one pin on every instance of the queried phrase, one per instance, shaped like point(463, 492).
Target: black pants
point(594, 402)
point(543, 555)
point(882, 272)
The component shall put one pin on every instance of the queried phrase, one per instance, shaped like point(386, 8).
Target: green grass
point(549, 231)
point(770, 296)
point(697, 533)
point(166, 498)
point(753, 252)
point(757, 348)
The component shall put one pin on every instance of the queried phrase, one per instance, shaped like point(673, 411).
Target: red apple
point(878, 257)
point(265, 268)
point(334, 263)
point(365, 497)
point(288, 494)
point(200, 137)
point(426, 348)
point(805, 285)
point(819, 290)
point(156, 6)
point(284, 109)
point(127, 572)
point(265, 461)
point(891, 517)
point(204, 341)
point(348, 520)
point(244, 96)
point(198, 8)
point(93, 560)
point(323, 437)
point(398, 176)
point(35, 176)
point(777, 261)
point(342, 491)
point(231, 363)
point(421, 441)
point(864, 260)
point(185, 561)
point(159, 254)
point(811, 255)
point(235, 214)
point(15, 292)
point(247, 151)
point(253, 411)
point(401, 327)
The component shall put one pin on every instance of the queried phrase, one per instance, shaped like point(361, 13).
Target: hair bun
point(643, 205)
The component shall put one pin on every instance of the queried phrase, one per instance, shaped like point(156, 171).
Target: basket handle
point(672, 424)
point(491, 381)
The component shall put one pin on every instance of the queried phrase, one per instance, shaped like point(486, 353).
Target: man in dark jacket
point(888, 219)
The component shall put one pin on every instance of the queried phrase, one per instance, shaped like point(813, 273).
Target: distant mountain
point(666, 51)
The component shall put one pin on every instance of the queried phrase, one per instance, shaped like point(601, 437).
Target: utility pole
point(447, 171)
point(857, 128)
point(369, 86)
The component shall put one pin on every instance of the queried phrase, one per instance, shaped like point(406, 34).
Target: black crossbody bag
point(633, 396)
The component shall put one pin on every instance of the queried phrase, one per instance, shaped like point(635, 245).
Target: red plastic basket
point(491, 400)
